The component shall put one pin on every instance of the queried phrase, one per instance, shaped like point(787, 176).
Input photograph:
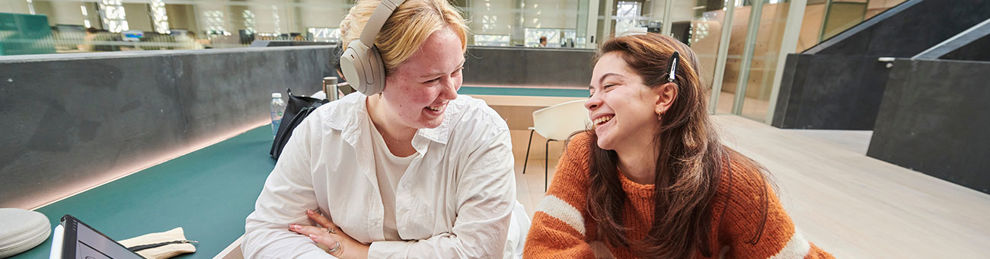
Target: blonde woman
point(651, 179)
point(413, 171)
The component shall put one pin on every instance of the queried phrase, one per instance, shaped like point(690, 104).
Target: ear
point(666, 94)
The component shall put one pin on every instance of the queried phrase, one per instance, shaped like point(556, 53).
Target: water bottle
point(278, 107)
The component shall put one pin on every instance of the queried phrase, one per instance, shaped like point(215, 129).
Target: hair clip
point(673, 66)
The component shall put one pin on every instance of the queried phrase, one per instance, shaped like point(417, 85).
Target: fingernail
point(310, 212)
point(311, 236)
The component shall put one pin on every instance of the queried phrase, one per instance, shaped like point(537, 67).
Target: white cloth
point(454, 201)
point(161, 252)
point(518, 229)
point(390, 169)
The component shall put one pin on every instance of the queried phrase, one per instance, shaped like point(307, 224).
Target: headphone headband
point(377, 20)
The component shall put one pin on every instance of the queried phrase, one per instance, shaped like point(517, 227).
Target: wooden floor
point(849, 204)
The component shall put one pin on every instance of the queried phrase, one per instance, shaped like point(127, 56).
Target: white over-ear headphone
point(361, 63)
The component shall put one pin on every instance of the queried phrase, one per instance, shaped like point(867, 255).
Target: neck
point(637, 161)
point(397, 137)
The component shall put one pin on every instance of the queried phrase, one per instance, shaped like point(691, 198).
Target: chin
point(604, 143)
point(433, 123)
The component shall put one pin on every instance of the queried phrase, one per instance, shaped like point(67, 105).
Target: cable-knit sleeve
point(558, 229)
point(742, 230)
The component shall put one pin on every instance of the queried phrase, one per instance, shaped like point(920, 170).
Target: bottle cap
point(276, 95)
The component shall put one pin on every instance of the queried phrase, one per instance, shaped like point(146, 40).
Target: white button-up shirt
point(454, 201)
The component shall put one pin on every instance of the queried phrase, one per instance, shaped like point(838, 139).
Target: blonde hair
point(403, 32)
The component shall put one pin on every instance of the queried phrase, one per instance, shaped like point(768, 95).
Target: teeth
point(435, 108)
point(603, 119)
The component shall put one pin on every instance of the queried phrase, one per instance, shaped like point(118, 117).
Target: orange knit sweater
point(562, 227)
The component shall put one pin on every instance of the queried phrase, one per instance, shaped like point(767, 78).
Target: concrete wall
point(933, 119)
point(73, 119)
point(518, 66)
point(838, 84)
point(830, 92)
point(528, 66)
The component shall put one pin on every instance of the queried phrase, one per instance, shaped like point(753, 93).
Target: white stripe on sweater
point(797, 247)
point(560, 209)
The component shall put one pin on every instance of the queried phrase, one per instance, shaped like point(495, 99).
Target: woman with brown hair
point(651, 178)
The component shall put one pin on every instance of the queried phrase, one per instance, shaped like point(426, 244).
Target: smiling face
point(417, 92)
point(621, 107)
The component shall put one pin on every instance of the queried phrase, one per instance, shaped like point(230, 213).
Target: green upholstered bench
point(208, 192)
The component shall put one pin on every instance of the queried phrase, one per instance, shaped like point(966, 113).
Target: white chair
point(556, 123)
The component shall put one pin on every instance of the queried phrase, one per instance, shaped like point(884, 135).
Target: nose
point(593, 102)
point(450, 86)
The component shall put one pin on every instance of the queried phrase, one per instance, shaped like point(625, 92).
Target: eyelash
point(604, 87)
point(458, 71)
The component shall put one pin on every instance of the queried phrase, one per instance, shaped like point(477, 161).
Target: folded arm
point(485, 198)
point(287, 194)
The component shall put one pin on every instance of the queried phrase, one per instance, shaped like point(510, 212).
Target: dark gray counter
point(70, 118)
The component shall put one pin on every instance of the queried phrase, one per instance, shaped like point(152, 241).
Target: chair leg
point(528, 144)
point(546, 166)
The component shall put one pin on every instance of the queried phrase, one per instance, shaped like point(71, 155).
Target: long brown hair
point(688, 165)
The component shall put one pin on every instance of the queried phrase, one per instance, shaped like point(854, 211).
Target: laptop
point(74, 239)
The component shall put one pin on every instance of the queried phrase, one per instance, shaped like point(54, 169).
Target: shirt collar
point(354, 108)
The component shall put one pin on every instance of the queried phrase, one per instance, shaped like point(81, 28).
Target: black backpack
point(297, 109)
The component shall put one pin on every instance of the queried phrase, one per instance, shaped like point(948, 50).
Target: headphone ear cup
point(351, 66)
point(375, 69)
point(363, 68)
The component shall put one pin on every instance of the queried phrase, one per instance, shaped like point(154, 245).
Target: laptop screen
point(83, 242)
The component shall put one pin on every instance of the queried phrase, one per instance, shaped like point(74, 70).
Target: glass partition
point(116, 25)
point(734, 58)
point(821, 19)
point(706, 27)
point(763, 68)
point(68, 26)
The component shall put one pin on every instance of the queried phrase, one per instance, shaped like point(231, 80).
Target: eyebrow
point(606, 76)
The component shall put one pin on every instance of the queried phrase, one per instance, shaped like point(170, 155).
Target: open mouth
point(603, 119)
point(436, 108)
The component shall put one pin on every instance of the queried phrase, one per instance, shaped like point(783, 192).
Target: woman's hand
point(338, 243)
